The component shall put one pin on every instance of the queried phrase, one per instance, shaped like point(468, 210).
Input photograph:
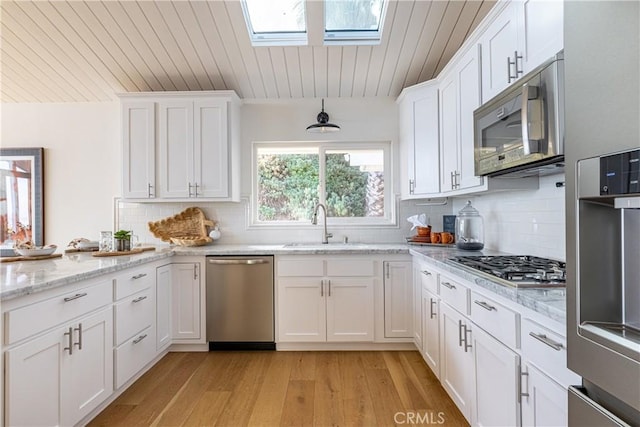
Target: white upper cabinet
point(181, 145)
point(459, 97)
point(419, 141)
point(139, 138)
point(522, 36)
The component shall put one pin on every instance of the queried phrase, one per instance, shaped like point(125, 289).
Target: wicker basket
point(188, 228)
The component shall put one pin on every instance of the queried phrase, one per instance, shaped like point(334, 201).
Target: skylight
point(353, 21)
point(276, 22)
point(283, 22)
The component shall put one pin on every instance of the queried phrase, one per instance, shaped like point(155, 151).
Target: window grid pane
point(276, 16)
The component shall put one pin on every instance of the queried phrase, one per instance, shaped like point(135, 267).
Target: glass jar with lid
point(469, 229)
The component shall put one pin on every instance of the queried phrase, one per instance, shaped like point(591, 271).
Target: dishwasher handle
point(238, 261)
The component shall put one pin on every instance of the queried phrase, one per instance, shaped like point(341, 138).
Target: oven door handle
point(528, 92)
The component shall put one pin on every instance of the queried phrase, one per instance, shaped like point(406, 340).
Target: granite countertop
point(24, 278)
point(27, 277)
point(550, 302)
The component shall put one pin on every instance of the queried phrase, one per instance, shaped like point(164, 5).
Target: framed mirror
point(21, 197)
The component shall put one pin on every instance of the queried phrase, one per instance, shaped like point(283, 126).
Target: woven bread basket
point(188, 228)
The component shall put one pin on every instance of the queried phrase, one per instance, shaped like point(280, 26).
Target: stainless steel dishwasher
point(240, 303)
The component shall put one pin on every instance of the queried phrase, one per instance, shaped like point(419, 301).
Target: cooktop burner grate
point(517, 270)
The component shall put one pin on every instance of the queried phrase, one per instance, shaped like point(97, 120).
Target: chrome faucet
point(314, 221)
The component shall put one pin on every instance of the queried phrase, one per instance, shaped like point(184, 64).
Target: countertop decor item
point(28, 249)
point(188, 228)
point(123, 240)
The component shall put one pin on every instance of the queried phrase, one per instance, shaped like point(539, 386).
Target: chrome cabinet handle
point(467, 346)
point(461, 338)
point(515, 62)
point(453, 181)
point(149, 191)
point(140, 338)
point(76, 296)
point(486, 306)
point(509, 64)
point(426, 273)
point(386, 269)
point(138, 276)
point(448, 285)
point(190, 189)
point(237, 261)
point(142, 298)
point(69, 335)
point(79, 343)
point(329, 280)
point(432, 313)
point(196, 186)
point(411, 186)
point(523, 393)
point(548, 341)
point(322, 288)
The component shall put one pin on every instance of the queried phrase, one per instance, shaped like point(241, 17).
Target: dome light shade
point(323, 124)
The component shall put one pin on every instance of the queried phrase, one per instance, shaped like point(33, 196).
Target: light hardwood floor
point(285, 389)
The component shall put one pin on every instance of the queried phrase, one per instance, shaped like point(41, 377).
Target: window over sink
point(351, 179)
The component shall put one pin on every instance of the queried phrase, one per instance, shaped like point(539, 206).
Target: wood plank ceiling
point(85, 51)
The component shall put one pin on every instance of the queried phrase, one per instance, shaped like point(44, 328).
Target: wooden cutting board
point(29, 258)
point(131, 252)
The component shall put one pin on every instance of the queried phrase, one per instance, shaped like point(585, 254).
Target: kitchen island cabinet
point(68, 370)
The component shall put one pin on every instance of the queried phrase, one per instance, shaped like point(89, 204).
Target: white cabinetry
point(431, 330)
point(456, 359)
point(459, 97)
point(163, 307)
point(545, 377)
point(186, 301)
point(67, 371)
point(134, 311)
point(138, 149)
point(522, 36)
point(398, 298)
point(325, 299)
point(496, 370)
point(193, 154)
point(419, 141)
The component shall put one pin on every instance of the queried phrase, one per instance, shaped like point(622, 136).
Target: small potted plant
point(123, 240)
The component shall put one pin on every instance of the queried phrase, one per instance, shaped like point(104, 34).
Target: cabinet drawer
point(133, 314)
point(348, 267)
point(548, 351)
point(133, 355)
point(454, 294)
point(428, 278)
point(301, 267)
point(495, 318)
point(29, 320)
point(133, 280)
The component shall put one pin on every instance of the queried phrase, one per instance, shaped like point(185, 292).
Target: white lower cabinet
point(163, 307)
point(398, 294)
point(456, 359)
point(68, 372)
point(431, 330)
point(496, 370)
point(544, 401)
point(132, 355)
point(186, 298)
point(325, 299)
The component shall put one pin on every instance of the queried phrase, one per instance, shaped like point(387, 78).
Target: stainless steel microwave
point(521, 130)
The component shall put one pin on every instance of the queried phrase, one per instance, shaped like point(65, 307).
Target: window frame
point(274, 38)
point(390, 205)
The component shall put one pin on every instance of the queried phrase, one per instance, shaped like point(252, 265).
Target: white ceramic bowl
point(38, 251)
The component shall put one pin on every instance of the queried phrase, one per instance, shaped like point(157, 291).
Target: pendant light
point(323, 124)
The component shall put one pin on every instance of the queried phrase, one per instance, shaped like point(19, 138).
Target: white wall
point(81, 162)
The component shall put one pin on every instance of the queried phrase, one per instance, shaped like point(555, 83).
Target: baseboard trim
point(364, 346)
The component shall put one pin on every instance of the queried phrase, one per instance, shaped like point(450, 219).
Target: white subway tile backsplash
point(528, 222)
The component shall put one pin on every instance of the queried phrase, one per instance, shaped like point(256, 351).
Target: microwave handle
point(524, 112)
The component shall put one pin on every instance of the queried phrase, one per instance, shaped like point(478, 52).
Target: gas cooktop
point(516, 270)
